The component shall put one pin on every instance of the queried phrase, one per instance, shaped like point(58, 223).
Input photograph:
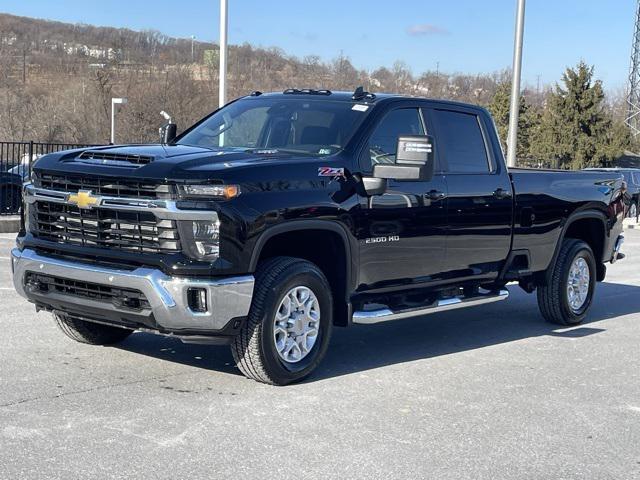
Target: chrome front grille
point(103, 186)
point(129, 231)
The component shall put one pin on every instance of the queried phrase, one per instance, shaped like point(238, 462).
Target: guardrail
point(16, 160)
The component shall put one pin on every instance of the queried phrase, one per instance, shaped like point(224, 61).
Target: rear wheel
point(568, 294)
point(289, 325)
point(89, 332)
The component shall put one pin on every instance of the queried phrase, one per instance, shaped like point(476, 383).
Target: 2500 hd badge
point(390, 238)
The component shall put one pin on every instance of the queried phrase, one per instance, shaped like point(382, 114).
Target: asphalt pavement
point(491, 392)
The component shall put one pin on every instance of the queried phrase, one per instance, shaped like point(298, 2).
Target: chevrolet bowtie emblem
point(83, 199)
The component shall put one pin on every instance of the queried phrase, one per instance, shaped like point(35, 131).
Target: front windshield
point(298, 125)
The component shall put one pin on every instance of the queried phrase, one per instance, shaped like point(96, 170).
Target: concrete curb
point(10, 224)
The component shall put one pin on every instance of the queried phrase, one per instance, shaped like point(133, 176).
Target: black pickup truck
point(282, 215)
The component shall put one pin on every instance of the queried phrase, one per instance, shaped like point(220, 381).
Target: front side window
point(298, 125)
point(384, 140)
point(459, 140)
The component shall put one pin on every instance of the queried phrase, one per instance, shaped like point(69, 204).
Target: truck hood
point(168, 162)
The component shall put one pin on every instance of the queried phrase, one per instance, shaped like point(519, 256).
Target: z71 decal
point(330, 172)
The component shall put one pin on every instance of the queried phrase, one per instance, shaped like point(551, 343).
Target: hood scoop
point(114, 159)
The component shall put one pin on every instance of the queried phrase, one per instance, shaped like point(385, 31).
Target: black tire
point(553, 298)
point(89, 332)
point(254, 349)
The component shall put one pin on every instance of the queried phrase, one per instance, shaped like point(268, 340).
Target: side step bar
point(368, 317)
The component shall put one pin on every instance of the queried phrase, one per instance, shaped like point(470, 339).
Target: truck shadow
point(363, 348)
point(372, 346)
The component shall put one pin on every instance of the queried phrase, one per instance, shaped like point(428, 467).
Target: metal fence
point(16, 160)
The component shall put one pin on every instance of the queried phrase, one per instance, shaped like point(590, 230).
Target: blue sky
point(468, 36)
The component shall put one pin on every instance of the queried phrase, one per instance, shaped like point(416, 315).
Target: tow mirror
point(415, 160)
point(169, 131)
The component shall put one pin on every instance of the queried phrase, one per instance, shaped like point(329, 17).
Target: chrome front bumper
point(228, 298)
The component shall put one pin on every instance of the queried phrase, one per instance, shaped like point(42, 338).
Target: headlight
point(206, 237)
point(216, 191)
point(200, 239)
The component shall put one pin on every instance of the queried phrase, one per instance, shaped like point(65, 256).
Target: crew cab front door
point(402, 232)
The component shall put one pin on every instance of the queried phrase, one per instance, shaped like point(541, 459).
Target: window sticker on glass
point(360, 108)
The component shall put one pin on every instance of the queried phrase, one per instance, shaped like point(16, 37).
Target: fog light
point(197, 299)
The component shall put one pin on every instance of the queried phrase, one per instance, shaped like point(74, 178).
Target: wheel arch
point(590, 227)
point(309, 239)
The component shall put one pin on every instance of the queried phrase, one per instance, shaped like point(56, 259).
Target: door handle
point(435, 195)
point(502, 194)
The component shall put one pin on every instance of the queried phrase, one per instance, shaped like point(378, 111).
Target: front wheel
point(289, 324)
point(568, 294)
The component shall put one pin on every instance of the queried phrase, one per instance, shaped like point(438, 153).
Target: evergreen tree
point(528, 117)
point(576, 131)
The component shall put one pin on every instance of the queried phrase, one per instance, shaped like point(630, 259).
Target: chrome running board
point(367, 317)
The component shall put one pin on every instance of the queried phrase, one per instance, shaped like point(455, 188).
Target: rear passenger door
point(480, 202)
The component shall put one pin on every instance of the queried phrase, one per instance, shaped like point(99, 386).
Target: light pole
point(512, 137)
point(193, 55)
point(114, 102)
point(222, 98)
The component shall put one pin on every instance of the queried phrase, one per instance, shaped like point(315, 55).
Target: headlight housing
point(226, 192)
point(206, 238)
point(201, 238)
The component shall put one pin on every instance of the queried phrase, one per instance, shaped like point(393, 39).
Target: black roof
point(348, 97)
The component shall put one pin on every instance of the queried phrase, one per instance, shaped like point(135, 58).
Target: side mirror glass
point(415, 150)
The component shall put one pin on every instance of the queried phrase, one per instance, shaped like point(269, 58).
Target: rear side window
point(459, 140)
point(636, 178)
point(384, 140)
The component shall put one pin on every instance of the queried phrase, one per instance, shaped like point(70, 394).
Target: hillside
point(74, 70)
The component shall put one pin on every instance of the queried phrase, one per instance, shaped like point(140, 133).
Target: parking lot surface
point(491, 392)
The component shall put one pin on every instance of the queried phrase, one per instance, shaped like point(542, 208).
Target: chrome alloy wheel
point(296, 324)
point(578, 284)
